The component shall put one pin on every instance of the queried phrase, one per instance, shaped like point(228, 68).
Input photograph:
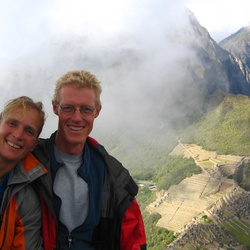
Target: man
point(93, 193)
point(21, 122)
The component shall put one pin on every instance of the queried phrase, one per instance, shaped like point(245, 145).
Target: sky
point(32, 33)
point(221, 17)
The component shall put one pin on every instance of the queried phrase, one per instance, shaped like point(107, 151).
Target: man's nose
point(77, 115)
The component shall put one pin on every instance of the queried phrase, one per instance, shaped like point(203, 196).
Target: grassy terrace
point(240, 235)
point(240, 229)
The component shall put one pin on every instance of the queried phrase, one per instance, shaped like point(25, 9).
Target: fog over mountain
point(151, 74)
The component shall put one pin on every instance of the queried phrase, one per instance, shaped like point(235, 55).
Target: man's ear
point(55, 107)
point(98, 110)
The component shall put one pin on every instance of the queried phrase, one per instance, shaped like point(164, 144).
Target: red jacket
point(133, 235)
point(121, 224)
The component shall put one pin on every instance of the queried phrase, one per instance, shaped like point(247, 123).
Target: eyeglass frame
point(73, 109)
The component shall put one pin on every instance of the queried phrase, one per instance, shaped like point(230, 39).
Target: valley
point(183, 207)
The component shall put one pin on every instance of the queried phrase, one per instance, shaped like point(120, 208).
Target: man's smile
point(76, 128)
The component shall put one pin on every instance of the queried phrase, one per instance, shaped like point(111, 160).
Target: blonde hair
point(26, 103)
point(79, 79)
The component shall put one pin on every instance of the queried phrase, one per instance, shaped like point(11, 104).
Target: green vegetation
point(245, 183)
point(145, 197)
point(174, 170)
point(225, 130)
point(157, 237)
point(206, 220)
point(137, 154)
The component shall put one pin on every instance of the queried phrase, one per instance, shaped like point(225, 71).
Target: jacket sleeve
point(133, 236)
point(28, 221)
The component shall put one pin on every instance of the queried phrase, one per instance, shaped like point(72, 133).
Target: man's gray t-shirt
point(72, 190)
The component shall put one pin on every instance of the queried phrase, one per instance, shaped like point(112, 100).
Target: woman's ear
point(55, 107)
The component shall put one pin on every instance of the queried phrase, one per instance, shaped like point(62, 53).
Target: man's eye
point(67, 109)
point(87, 110)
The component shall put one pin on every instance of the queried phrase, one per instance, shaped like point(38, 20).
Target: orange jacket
point(20, 214)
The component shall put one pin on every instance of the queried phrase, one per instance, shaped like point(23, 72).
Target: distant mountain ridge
point(238, 44)
point(216, 61)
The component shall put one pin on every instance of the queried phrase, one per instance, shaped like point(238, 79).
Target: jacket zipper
point(70, 240)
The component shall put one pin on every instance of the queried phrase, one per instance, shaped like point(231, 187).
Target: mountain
point(195, 84)
point(221, 69)
point(238, 44)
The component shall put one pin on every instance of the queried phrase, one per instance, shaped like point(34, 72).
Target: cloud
point(85, 17)
point(130, 45)
point(23, 27)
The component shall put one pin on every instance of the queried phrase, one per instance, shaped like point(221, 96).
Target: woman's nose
point(18, 133)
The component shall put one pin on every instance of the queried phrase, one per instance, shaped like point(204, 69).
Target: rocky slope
point(238, 44)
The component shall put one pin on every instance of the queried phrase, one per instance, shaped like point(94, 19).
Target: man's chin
point(75, 141)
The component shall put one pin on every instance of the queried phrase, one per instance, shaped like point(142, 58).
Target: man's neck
point(70, 149)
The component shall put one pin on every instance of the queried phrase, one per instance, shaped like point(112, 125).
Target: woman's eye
point(12, 124)
point(30, 132)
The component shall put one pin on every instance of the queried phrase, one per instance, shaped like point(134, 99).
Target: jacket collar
point(27, 170)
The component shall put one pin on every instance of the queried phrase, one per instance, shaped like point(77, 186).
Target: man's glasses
point(70, 110)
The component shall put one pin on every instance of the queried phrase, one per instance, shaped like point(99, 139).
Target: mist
point(131, 47)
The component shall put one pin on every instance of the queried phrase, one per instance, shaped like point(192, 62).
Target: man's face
point(18, 134)
point(74, 127)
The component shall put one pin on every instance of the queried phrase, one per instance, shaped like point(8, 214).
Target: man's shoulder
point(92, 142)
point(46, 142)
point(119, 173)
point(42, 145)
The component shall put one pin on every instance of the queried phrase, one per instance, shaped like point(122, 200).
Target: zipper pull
point(70, 240)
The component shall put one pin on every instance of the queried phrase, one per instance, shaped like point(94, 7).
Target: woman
point(21, 122)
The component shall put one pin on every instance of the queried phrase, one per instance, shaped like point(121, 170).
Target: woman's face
point(18, 134)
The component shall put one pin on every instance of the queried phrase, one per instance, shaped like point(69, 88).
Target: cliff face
point(238, 44)
point(222, 69)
